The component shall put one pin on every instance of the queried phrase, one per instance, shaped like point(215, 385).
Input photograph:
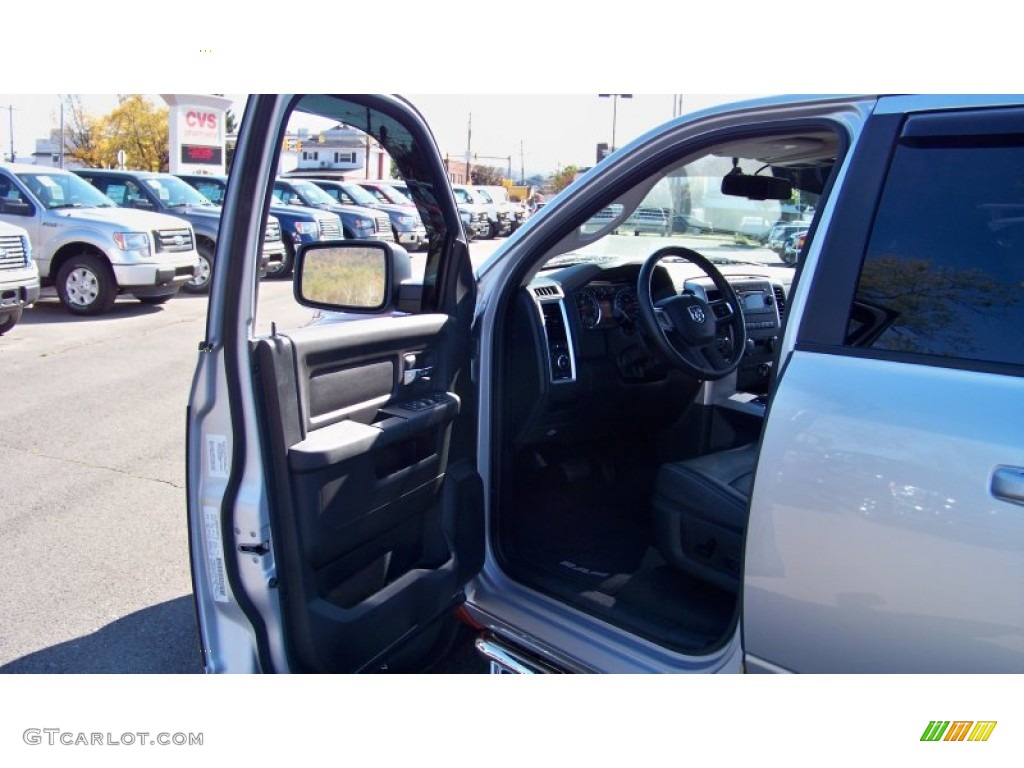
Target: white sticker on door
point(215, 554)
point(217, 464)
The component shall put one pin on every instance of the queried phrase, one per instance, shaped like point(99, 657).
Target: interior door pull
point(412, 373)
point(1008, 484)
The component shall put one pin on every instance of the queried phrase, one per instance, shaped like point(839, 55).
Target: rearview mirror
point(349, 276)
point(757, 187)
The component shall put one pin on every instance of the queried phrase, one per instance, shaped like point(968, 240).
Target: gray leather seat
point(700, 513)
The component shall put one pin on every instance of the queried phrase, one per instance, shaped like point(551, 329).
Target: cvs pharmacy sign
point(206, 120)
point(199, 125)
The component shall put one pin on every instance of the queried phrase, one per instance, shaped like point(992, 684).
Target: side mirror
point(16, 207)
point(756, 187)
point(350, 276)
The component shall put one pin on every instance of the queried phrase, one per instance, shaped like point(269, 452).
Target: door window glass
point(12, 200)
point(945, 262)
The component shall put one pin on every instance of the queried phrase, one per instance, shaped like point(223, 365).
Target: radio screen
point(754, 302)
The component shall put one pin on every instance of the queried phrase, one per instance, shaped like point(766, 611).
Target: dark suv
point(406, 223)
point(357, 223)
point(299, 224)
point(164, 193)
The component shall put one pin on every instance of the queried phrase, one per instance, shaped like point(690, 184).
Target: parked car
point(165, 193)
point(357, 223)
point(19, 275)
point(386, 192)
point(782, 231)
point(688, 224)
point(495, 221)
point(647, 219)
point(654, 220)
point(499, 195)
point(753, 230)
point(87, 248)
point(472, 211)
point(793, 246)
point(298, 223)
point(613, 455)
point(501, 215)
point(474, 219)
point(406, 224)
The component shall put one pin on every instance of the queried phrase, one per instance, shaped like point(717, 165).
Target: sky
point(539, 132)
point(529, 72)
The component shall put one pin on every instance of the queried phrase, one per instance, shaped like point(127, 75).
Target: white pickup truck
point(90, 250)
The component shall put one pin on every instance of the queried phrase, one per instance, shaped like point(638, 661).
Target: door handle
point(411, 373)
point(1008, 484)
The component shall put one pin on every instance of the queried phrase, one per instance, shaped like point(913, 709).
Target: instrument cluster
point(603, 305)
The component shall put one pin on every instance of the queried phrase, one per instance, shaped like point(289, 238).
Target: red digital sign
point(198, 155)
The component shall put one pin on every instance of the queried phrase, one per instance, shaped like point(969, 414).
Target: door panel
point(331, 480)
point(877, 534)
point(362, 526)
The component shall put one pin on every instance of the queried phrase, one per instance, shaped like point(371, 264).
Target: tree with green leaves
point(564, 178)
point(486, 176)
point(135, 125)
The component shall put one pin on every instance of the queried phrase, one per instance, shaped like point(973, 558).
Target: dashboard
point(580, 366)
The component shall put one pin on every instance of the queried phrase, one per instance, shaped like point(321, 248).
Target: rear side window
point(944, 269)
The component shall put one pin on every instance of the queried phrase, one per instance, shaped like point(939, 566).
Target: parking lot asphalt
point(92, 513)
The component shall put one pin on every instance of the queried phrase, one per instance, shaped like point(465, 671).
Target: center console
point(763, 304)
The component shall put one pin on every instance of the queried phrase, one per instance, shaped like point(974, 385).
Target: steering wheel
point(686, 328)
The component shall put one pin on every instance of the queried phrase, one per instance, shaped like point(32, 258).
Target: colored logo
point(958, 730)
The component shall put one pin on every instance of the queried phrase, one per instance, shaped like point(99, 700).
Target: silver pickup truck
point(19, 276)
point(634, 454)
point(90, 250)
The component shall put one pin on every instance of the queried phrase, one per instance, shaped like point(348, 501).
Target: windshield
point(394, 196)
point(463, 196)
point(486, 198)
point(359, 195)
point(213, 191)
point(684, 206)
point(175, 193)
point(312, 194)
point(65, 190)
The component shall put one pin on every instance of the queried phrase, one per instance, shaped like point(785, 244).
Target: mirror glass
point(345, 277)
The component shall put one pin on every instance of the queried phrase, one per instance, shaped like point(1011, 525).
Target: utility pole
point(469, 150)
point(615, 109)
point(522, 164)
point(10, 112)
point(62, 135)
point(677, 104)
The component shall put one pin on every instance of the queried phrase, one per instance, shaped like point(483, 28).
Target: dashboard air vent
point(780, 300)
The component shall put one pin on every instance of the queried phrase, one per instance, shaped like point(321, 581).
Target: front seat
point(700, 509)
